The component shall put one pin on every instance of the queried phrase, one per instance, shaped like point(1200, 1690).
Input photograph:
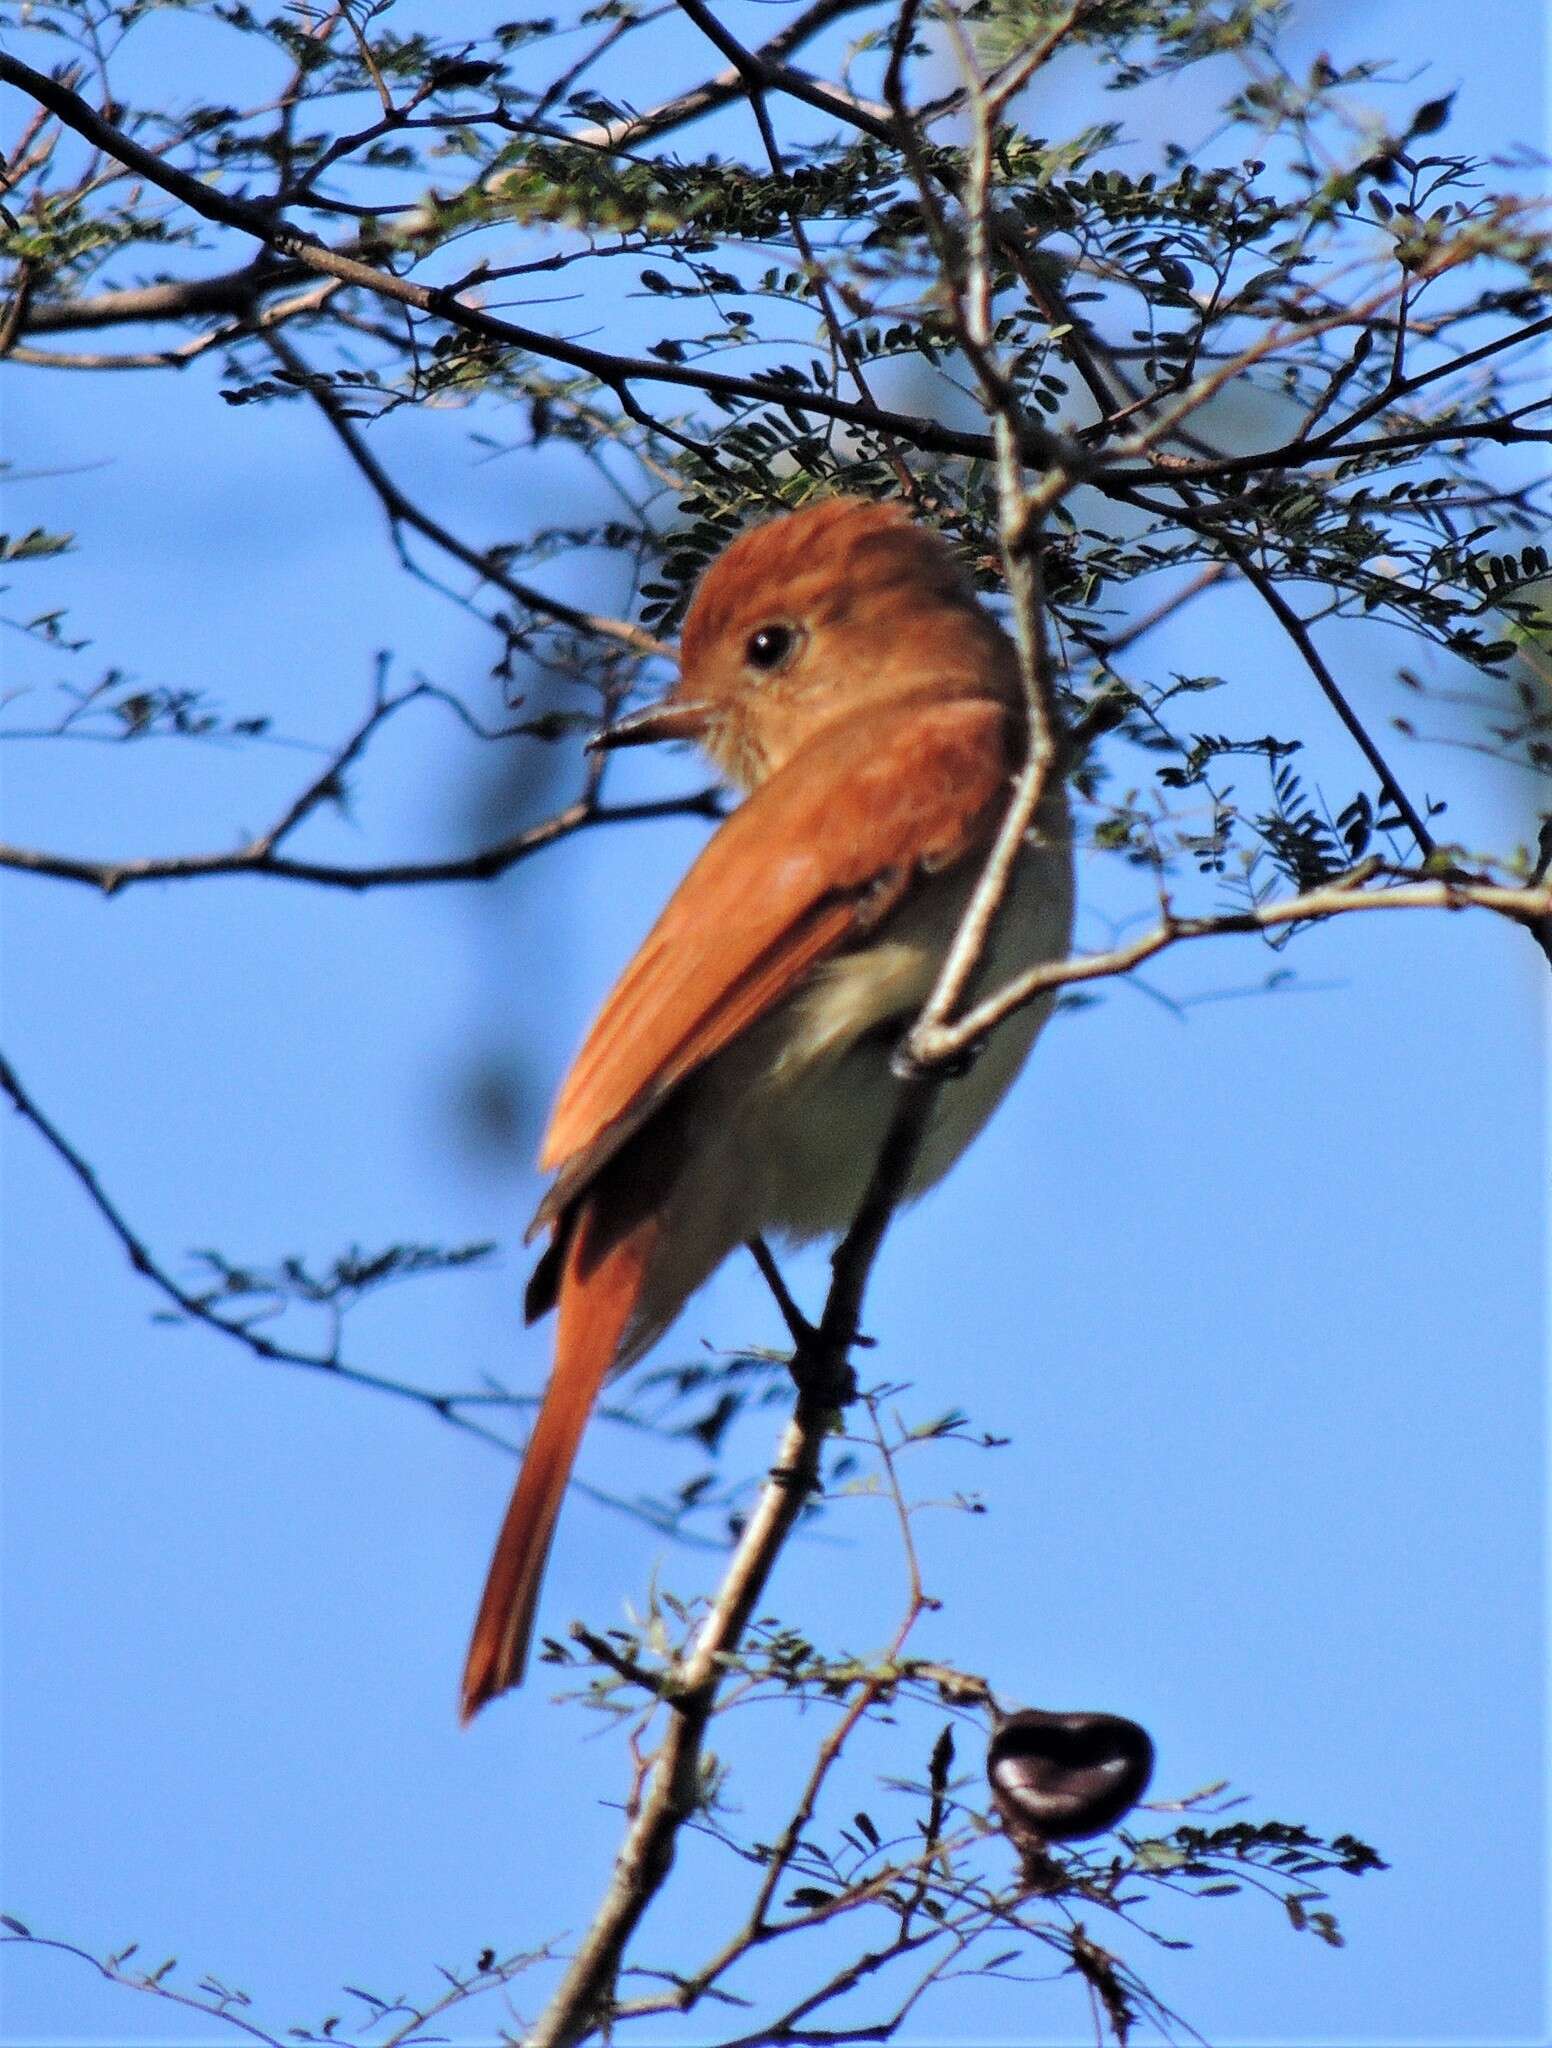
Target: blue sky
point(1255, 1291)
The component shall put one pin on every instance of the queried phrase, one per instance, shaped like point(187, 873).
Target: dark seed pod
point(1059, 1777)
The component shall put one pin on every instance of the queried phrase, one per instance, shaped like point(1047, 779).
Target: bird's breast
point(806, 1097)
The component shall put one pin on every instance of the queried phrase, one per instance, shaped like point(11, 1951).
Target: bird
point(839, 668)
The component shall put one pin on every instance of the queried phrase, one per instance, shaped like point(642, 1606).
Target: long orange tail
point(599, 1287)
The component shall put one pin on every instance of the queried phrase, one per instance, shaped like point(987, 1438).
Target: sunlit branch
point(646, 1853)
point(1338, 898)
point(617, 373)
point(1020, 512)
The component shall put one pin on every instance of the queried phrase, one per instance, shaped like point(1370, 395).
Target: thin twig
point(403, 511)
point(1337, 898)
point(799, 1328)
point(14, 318)
point(617, 373)
point(449, 1407)
point(112, 876)
point(446, 1406)
point(1105, 647)
point(1189, 513)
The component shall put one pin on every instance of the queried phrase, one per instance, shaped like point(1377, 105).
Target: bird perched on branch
point(837, 665)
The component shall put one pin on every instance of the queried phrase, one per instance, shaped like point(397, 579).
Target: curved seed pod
point(1060, 1777)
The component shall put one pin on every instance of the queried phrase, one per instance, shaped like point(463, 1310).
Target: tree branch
point(673, 1794)
point(447, 1407)
point(615, 372)
point(258, 858)
point(721, 90)
point(403, 511)
point(233, 292)
point(450, 1407)
point(1189, 513)
point(1337, 898)
point(1334, 444)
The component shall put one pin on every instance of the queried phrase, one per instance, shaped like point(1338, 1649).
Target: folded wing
point(832, 840)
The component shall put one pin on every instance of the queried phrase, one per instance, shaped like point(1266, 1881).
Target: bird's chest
point(808, 1096)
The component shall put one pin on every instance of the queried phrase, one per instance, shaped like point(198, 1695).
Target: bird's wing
point(814, 857)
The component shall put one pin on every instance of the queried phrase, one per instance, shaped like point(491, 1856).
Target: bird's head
point(812, 617)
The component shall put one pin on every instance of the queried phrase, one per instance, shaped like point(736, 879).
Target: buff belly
point(801, 1103)
point(831, 1083)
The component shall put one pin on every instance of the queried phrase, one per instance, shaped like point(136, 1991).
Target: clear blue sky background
point(1257, 1293)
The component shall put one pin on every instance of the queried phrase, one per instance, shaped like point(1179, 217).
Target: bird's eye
point(769, 647)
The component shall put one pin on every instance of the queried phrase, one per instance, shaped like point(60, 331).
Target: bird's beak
point(671, 718)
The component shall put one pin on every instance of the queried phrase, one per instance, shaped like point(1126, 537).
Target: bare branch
point(231, 292)
point(260, 321)
point(459, 1409)
point(447, 1407)
point(403, 511)
point(1416, 891)
point(257, 858)
point(647, 1852)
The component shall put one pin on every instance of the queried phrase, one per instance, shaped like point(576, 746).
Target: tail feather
point(600, 1285)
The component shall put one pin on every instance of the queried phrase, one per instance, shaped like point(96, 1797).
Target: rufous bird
point(837, 665)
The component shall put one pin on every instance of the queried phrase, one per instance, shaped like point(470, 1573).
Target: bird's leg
point(799, 1328)
point(823, 1375)
point(818, 1365)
